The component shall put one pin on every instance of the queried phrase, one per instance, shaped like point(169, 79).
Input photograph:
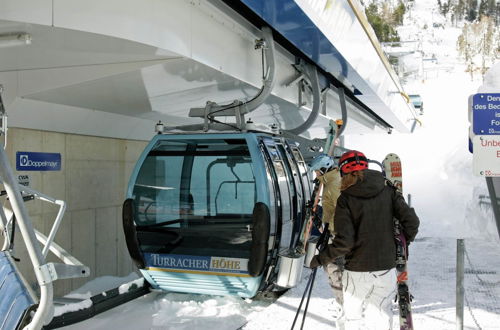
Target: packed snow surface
point(432, 281)
point(437, 171)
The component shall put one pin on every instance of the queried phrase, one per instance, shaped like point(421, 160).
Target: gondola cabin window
point(203, 190)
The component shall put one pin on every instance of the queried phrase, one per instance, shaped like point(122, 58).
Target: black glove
point(340, 262)
point(315, 262)
point(317, 216)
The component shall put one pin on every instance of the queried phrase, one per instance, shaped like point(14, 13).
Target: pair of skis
point(393, 173)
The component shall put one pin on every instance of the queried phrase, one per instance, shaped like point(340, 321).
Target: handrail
point(374, 41)
point(57, 221)
point(376, 45)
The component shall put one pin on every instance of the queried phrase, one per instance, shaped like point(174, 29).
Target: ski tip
point(391, 155)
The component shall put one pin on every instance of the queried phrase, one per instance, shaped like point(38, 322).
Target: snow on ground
point(432, 281)
point(437, 169)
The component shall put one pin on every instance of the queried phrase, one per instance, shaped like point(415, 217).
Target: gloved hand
point(317, 216)
point(340, 262)
point(315, 262)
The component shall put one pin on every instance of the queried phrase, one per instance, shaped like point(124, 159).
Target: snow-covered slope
point(437, 166)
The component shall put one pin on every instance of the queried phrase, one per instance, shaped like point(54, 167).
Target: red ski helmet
point(353, 161)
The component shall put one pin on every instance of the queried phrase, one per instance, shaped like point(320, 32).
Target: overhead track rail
point(262, 13)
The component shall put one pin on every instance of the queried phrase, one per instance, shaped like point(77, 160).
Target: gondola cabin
point(218, 213)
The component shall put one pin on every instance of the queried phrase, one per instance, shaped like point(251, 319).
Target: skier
point(364, 228)
point(328, 175)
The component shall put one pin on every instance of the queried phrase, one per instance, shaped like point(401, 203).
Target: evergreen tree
point(479, 41)
point(444, 7)
point(492, 10)
point(466, 45)
point(382, 21)
point(458, 10)
point(483, 8)
point(398, 14)
point(471, 10)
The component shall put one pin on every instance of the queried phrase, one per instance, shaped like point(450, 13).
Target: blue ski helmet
point(322, 163)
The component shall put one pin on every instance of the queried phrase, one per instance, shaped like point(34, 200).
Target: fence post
point(460, 284)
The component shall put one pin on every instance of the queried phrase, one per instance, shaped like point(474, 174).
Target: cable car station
point(172, 138)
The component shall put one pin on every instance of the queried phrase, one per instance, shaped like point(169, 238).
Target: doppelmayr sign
point(38, 161)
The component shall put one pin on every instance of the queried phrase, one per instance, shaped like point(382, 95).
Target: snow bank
point(73, 307)
point(124, 288)
point(82, 295)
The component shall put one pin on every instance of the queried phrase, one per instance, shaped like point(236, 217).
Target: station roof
point(107, 70)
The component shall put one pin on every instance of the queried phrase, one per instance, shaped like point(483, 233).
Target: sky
point(437, 172)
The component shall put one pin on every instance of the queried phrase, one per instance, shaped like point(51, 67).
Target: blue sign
point(38, 161)
point(486, 114)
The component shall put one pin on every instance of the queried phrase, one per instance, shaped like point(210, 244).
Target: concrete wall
point(92, 180)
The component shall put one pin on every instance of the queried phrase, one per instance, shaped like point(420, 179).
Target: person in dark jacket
point(364, 223)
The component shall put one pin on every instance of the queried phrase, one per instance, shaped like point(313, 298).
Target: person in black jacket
point(364, 223)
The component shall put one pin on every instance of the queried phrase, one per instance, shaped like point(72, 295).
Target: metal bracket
point(51, 272)
point(47, 273)
point(71, 271)
point(206, 112)
point(300, 79)
point(240, 117)
point(299, 76)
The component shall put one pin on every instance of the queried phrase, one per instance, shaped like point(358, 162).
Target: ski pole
point(313, 275)
point(303, 296)
point(310, 282)
point(321, 241)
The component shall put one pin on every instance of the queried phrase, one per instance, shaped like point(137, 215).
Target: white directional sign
point(486, 160)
